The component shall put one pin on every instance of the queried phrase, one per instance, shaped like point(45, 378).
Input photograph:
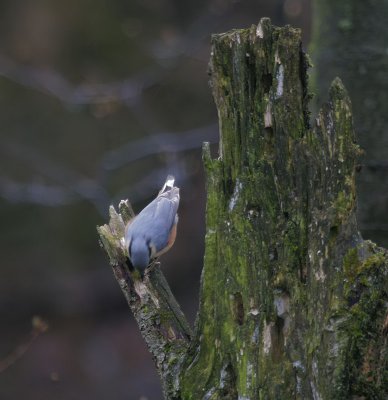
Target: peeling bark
point(293, 301)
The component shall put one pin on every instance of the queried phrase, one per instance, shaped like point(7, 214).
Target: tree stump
point(293, 302)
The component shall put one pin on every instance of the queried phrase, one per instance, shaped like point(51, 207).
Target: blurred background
point(99, 101)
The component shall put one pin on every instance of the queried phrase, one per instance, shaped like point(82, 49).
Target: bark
point(293, 301)
point(350, 40)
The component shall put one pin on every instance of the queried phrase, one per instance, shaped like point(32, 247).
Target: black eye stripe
point(148, 242)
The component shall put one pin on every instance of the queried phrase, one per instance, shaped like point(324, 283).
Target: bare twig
point(38, 327)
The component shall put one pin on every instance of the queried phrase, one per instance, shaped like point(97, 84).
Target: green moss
point(343, 206)
point(356, 270)
point(362, 313)
point(351, 265)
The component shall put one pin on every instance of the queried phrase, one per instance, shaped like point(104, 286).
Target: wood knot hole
point(267, 82)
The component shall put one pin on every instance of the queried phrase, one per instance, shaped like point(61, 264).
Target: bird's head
point(139, 253)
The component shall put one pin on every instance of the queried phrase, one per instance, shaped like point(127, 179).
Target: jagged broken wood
point(293, 301)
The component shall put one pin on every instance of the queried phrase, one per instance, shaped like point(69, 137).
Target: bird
point(152, 232)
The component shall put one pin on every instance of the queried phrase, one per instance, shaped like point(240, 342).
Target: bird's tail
point(168, 185)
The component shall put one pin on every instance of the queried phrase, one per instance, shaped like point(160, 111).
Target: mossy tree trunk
point(293, 301)
point(350, 40)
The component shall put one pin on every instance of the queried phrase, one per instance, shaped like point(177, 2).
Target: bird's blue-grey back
point(154, 222)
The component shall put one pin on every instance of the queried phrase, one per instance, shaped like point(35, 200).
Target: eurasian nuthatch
point(152, 232)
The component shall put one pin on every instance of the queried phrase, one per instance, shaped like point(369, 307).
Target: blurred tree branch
point(70, 186)
point(54, 84)
point(39, 326)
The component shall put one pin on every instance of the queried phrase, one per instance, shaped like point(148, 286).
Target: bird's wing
point(165, 217)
